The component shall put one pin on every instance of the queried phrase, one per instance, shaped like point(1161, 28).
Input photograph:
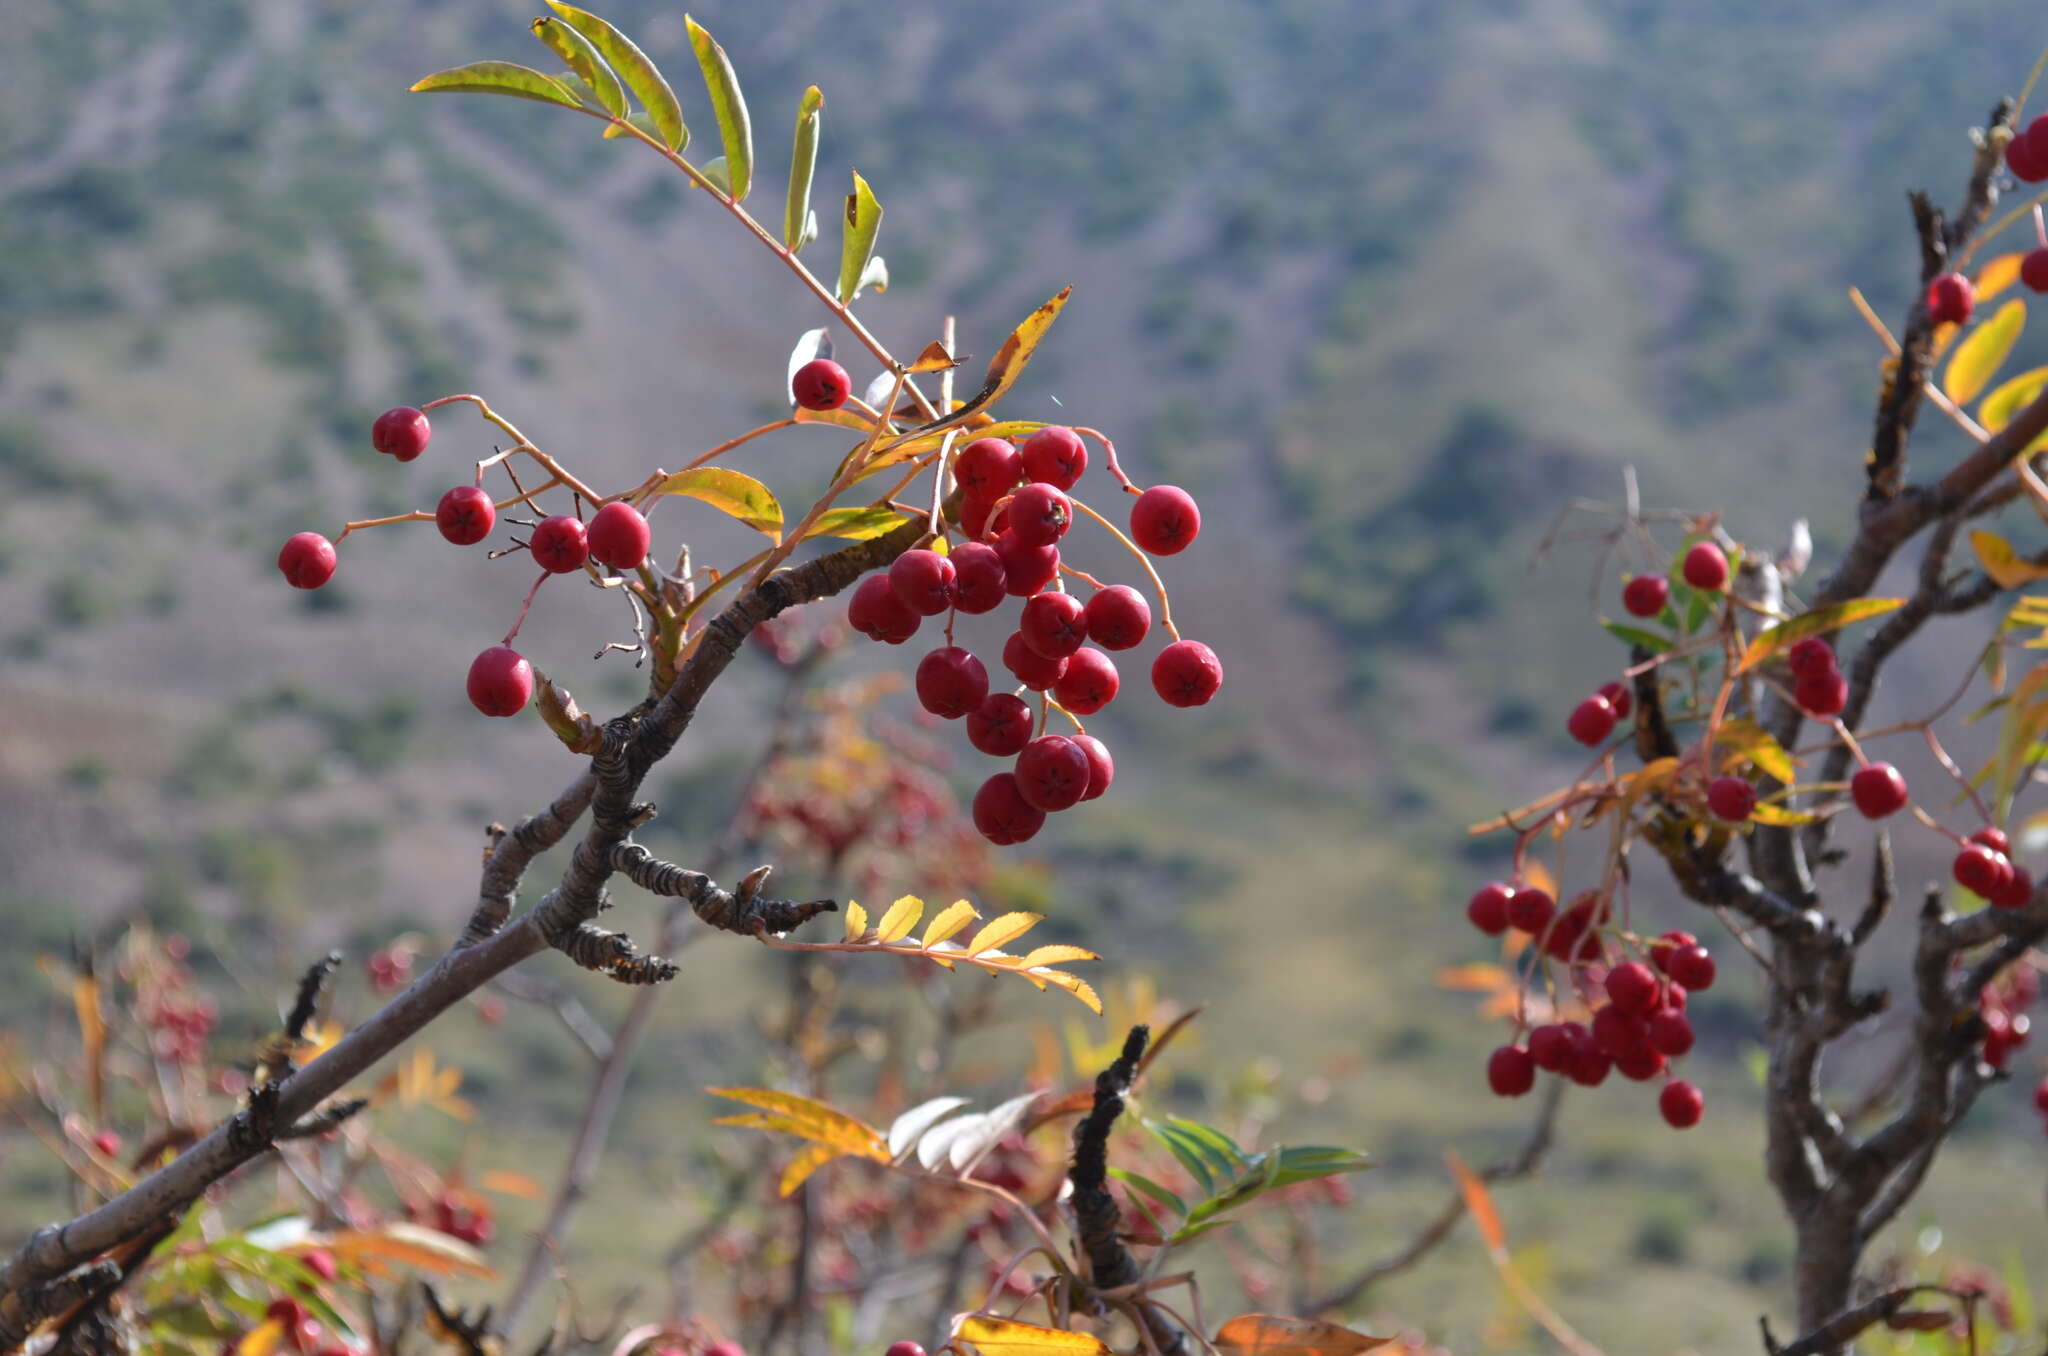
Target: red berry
point(2018, 891)
point(1646, 595)
point(106, 1143)
point(288, 1312)
point(1488, 909)
point(951, 682)
point(1951, 299)
point(1001, 813)
point(1165, 521)
point(1001, 725)
point(1573, 937)
point(1089, 684)
point(401, 433)
point(2041, 1095)
point(1640, 1065)
point(1633, 987)
point(978, 578)
point(1510, 1071)
point(1821, 692)
point(974, 517)
point(2034, 270)
point(1731, 798)
point(1705, 567)
point(821, 384)
point(905, 1348)
point(987, 469)
point(1052, 773)
point(307, 560)
point(1691, 968)
point(1662, 949)
point(1040, 515)
point(1591, 721)
point(1053, 624)
point(560, 544)
point(1670, 1034)
point(320, 1262)
point(619, 536)
point(1681, 1104)
point(1187, 673)
point(1994, 839)
point(1551, 1047)
point(1981, 871)
point(1589, 1064)
point(2026, 155)
point(466, 515)
point(1811, 655)
point(877, 613)
point(1619, 1033)
point(1055, 456)
point(923, 582)
point(1026, 569)
point(1101, 767)
point(1619, 698)
point(1031, 668)
point(1878, 791)
point(500, 682)
point(1530, 910)
point(1118, 617)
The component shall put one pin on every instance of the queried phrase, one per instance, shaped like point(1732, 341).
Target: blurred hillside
point(1384, 284)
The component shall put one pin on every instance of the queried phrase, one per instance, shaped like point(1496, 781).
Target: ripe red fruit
point(2026, 155)
point(1619, 1033)
point(1821, 692)
point(877, 613)
point(951, 682)
point(978, 578)
point(1731, 798)
point(1691, 968)
point(1101, 767)
point(1089, 684)
point(1619, 698)
point(1187, 673)
point(1551, 1047)
point(1681, 1104)
point(619, 536)
point(821, 384)
point(1573, 938)
point(923, 581)
point(725, 1348)
point(1646, 595)
point(987, 469)
point(1670, 1034)
point(401, 433)
point(2034, 270)
point(1165, 521)
point(1878, 790)
point(1705, 567)
point(905, 1348)
point(1994, 839)
point(1811, 655)
point(1053, 624)
point(560, 544)
point(2041, 1095)
point(1052, 773)
point(1055, 456)
point(320, 1262)
point(974, 517)
point(1591, 721)
point(1002, 815)
point(1488, 910)
point(500, 681)
point(1118, 617)
point(1981, 871)
point(1640, 1065)
point(1662, 949)
point(1633, 987)
point(2018, 891)
point(1026, 569)
point(1031, 668)
point(1001, 725)
point(1951, 299)
point(1510, 1071)
point(1589, 1064)
point(106, 1143)
point(288, 1312)
point(1040, 515)
point(307, 560)
point(1529, 910)
point(466, 515)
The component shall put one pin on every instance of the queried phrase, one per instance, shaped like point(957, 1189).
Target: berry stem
point(1109, 453)
point(1933, 392)
point(1855, 749)
point(731, 443)
point(936, 522)
point(1948, 765)
point(416, 516)
point(1165, 604)
point(520, 620)
point(1081, 575)
point(2040, 228)
point(2015, 215)
point(553, 467)
point(525, 497)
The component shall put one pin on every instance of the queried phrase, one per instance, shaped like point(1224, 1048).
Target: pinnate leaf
point(1003, 930)
point(809, 1119)
point(899, 920)
point(640, 74)
point(910, 1127)
point(951, 919)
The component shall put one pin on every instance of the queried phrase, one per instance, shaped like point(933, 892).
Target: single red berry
point(974, 517)
point(951, 682)
point(1619, 698)
point(1692, 968)
point(1165, 521)
point(1994, 839)
point(1551, 1047)
point(1645, 595)
point(1705, 567)
point(1574, 937)
point(1040, 514)
point(821, 384)
point(1662, 949)
point(1118, 617)
point(725, 1348)
point(560, 544)
point(1640, 1065)
point(987, 469)
point(401, 433)
point(1633, 987)
point(1101, 767)
point(1591, 721)
point(320, 1262)
point(1681, 1104)
point(1488, 909)
point(1530, 910)
point(2041, 1095)
point(307, 560)
point(1001, 725)
point(1981, 871)
point(1619, 1033)
point(466, 515)
point(1671, 1034)
point(1951, 299)
point(619, 536)
point(1589, 1064)
point(1510, 1071)
point(1026, 569)
point(905, 1348)
point(1031, 668)
point(2034, 270)
point(1811, 655)
point(1052, 773)
point(1089, 683)
point(1674, 998)
point(1821, 692)
point(1055, 456)
point(2026, 155)
point(288, 1312)
point(1187, 673)
point(2018, 892)
point(924, 582)
point(500, 682)
point(1731, 798)
point(106, 1143)
point(877, 613)
point(978, 578)
point(1878, 790)
point(1001, 813)
point(1054, 624)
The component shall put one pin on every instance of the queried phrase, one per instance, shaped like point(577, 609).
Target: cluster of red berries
point(1985, 867)
point(302, 1332)
point(2003, 1004)
point(1818, 686)
point(390, 969)
point(1593, 719)
point(178, 1030)
point(462, 1218)
point(1015, 510)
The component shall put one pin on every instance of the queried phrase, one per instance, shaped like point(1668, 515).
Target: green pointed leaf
point(1188, 1155)
point(1147, 1186)
point(733, 127)
point(732, 493)
point(640, 74)
point(1635, 635)
point(863, 219)
point(803, 165)
point(1774, 639)
point(1219, 1145)
point(498, 77)
point(1757, 744)
point(583, 58)
point(857, 524)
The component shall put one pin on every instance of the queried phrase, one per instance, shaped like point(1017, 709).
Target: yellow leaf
point(808, 1160)
point(1008, 364)
point(1479, 1202)
point(1782, 636)
point(1651, 777)
point(900, 919)
point(1537, 876)
point(1754, 742)
point(2003, 563)
point(1057, 954)
point(1779, 817)
point(813, 1120)
point(512, 1184)
point(856, 921)
point(2007, 397)
point(732, 493)
point(409, 1245)
point(1978, 357)
point(951, 919)
point(1007, 1337)
point(1074, 985)
point(1475, 978)
point(1271, 1335)
point(935, 359)
point(1008, 928)
point(1997, 275)
point(262, 1339)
